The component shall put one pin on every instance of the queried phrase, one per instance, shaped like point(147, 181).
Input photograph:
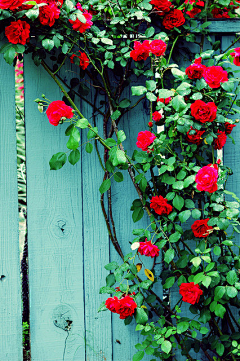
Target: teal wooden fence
point(67, 238)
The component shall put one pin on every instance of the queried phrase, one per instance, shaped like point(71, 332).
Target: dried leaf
point(139, 267)
point(149, 274)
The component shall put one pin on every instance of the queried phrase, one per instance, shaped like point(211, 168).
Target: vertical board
point(10, 291)
point(54, 201)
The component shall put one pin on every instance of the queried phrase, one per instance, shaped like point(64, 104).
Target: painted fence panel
point(10, 292)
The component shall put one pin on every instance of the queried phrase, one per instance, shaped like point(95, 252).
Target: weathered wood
point(220, 26)
point(10, 291)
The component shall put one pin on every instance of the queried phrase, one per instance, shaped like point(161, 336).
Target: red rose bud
point(195, 136)
point(201, 229)
point(150, 124)
point(174, 19)
point(58, 111)
point(141, 51)
point(165, 101)
point(214, 76)
point(77, 25)
point(160, 205)
point(219, 161)
point(157, 47)
point(203, 112)
point(157, 116)
point(220, 141)
point(148, 249)
point(229, 127)
point(18, 32)
point(206, 178)
point(161, 6)
point(236, 56)
point(198, 60)
point(145, 139)
point(190, 292)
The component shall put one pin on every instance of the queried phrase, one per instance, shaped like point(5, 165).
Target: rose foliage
point(180, 183)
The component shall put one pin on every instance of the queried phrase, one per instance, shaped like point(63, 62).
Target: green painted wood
point(54, 200)
point(10, 292)
point(221, 26)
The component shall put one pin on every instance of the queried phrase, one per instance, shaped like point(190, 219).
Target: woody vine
point(180, 182)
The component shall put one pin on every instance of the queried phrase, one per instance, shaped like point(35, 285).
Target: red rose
point(220, 141)
point(191, 2)
point(206, 179)
point(165, 101)
point(160, 205)
point(126, 307)
point(236, 56)
point(203, 112)
point(229, 127)
point(145, 139)
point(200, 228)
point(48, 14)
point(57, 111)
point(158, 47)
point(10, 4)
point(220, 13)
point(157, 116)
point(194, 136)
point(141, 51)
point(150, 124)
point(18, 32)
point(161, 6)
point(214, 76)
point(173, 19)
point(77, 25)
point(190, 292)
point(112, 304)
point(192, 13)
point(83, 60)
point(195, 71)
point(148, 249)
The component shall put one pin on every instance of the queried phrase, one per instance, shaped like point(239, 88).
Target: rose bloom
point(141, 51)
point(84, 61)
point(161, 6)
point(58, 111)
point(214, 76)
point(200, 228)
point(160, 205)
point(229, 127)
point(48, 14)
point(148, 249)
point(157, 47)
point(145, 139)
point(236, 56)
point(173, 19)
point(126, 307)
point(112, 304)
point(192, 13)
point(190, 292)
point(10, 4)
point(195, 71)
point(195, 136)
point(206, 178)
point(157, 116)
point(77, 25)
point(150, 124)
point(221, 140)
point(203, 112)
point(18, 32)
point(165, 101)
point(220, 13)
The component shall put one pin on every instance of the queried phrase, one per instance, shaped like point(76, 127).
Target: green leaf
point(115, 115)
point(198, 277)
point(151, 85)
point(183, 216)
point(220, 349)
point(178, 103)
point(107, 41)
point(9, 55)
point(151, 97)
point(105, 186)
point(138, 90)
point(92, 133)
point(219, 310)
point(89, 148)
point(137, 214)
point(119, 158)
point(206, 281)
point(217, 250)
point(149, 32)
point(204, 330)
point(48, 44)
point(231, 291)
point(111, 266)
point(121, 136)
point(182, 327)
point(125, 103)
point(178, 202)
point(169, 255)
point(138, 356)
point(174, 237)
point(57, 161)
point(189, 180)
point(165, 93)
point(141, 316)
point(74, 156)
point(196, 261)
point(118, 177)
point(196, 214)
point(106, 289)
point(169, 282)
point(166, 346)
point(228, 86)
point(110, 280)
point(82, 123)
point(232, 277)
point(110, 142)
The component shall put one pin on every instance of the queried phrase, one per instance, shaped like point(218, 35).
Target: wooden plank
point(54, 201)
point(10, 291)
point(230, 26)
